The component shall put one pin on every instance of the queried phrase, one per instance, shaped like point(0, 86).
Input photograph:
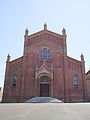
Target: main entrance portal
point(44, 87)
point(44, 90)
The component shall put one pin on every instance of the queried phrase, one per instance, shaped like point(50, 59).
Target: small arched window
point(75, 81)
point(45, 53)
point(14, 79)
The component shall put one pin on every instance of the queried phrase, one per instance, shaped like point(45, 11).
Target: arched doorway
point(44, 86)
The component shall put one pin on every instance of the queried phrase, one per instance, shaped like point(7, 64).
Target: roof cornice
point(47, 32)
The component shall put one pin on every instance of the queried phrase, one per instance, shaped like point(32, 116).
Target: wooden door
point(44, 90)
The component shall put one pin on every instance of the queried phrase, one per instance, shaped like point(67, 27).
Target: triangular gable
point(44, 69)
point(44, 66)
point(47, 32)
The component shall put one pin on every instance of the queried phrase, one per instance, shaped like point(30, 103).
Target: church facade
point(45, 70)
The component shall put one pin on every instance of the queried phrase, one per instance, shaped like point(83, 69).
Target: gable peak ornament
point(45, 26)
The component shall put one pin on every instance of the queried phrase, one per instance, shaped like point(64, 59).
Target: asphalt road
point(45, 111)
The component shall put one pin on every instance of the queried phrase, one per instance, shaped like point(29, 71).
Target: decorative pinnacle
point(26, 32)
point(82, 57)
point(8, 57)
point(64, 31)
point(45, 26)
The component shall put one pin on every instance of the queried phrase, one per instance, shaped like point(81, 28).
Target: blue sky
point(17, 15)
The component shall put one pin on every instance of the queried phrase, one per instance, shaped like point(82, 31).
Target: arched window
point(45, 53)
point(75, 81)
point(14, 79)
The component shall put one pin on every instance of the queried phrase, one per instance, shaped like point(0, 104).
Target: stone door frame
point(37, 87)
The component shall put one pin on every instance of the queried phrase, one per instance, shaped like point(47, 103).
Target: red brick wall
point(12, 94)
point(64, 67)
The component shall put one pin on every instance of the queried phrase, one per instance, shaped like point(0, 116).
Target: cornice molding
point(45, 32)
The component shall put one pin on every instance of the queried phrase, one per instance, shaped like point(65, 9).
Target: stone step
point(43, 100)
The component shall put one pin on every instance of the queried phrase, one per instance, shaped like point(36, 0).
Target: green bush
point(2, 101)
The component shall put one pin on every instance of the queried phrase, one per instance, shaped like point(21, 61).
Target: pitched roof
point(88, 72)
point(16, 60)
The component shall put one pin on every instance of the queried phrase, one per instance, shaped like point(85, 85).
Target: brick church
point(45, 70)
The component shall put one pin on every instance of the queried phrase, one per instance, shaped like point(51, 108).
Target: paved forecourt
point(45, 111)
